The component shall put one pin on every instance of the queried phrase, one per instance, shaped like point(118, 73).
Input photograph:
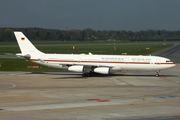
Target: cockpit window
point(168, 61)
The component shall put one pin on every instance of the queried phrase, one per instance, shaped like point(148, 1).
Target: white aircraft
point(89, 64)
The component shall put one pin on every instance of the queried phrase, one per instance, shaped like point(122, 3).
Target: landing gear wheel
point(157, 75)
point(84, 75)
point(91, 73)
point(87, 74)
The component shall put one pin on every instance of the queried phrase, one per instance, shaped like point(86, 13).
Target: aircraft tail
point(25, 45)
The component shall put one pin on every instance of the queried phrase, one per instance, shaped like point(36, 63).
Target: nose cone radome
point(172, 64)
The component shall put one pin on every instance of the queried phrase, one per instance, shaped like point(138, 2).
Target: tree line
point(38, 34)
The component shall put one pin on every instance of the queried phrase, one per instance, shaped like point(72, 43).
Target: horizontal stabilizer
point(27, 56)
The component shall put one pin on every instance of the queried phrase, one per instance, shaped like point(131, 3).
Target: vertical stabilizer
point(25, 45)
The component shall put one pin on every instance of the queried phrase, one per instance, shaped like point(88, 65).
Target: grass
point(21, 65)
point(103, 48)
point(131, 49)
point(65, 42)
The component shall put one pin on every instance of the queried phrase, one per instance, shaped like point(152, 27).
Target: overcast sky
point(131, 15)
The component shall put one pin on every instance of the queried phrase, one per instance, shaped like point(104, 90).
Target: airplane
point(90, 64)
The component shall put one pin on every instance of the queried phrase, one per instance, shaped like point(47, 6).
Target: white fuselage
point(115, 62)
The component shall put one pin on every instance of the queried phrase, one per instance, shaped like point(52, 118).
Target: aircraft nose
point(173, 64)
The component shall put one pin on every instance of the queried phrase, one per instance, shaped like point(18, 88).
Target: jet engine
point(102, 70)
point(76, 68)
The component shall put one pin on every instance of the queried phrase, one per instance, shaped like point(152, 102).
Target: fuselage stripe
point(75, 61)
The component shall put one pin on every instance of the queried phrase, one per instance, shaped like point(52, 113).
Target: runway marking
point(162, 76)
point(168, 80)
point(103, 101)
point(12, 85)
point(68, 105)
point(98, 100)
point(12, 73)
point(170, 96)
point(119, 81)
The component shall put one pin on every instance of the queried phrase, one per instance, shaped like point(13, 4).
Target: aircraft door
point(79, 59)
point(152, 63)
point(42, 58)
point(158, 61)
point(126, 61)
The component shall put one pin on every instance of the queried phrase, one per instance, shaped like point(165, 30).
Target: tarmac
point(65, 95)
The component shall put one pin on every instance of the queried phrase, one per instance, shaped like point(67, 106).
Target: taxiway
point(68, 96)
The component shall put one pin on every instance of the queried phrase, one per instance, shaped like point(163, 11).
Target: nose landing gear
point(157, 73)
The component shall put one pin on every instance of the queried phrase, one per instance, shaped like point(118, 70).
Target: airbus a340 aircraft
point(88, 64)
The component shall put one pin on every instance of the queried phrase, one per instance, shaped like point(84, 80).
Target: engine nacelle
point(102, 70)
point(76, 68)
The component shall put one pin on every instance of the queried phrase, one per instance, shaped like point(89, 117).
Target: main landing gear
point(87, 74)
point(88, 71)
